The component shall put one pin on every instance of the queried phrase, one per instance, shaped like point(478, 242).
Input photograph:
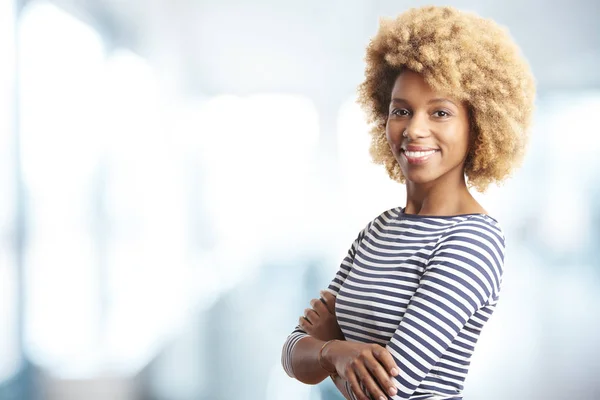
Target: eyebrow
point(438, 100)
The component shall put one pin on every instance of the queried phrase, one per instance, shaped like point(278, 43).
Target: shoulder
point(477, 238)
point(481, 226)
point(384, 218)
point(473, 247)
point(391, 213)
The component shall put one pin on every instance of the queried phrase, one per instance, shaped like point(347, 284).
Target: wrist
point(327, 356)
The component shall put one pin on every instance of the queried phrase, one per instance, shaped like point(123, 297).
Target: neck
point(441, 197)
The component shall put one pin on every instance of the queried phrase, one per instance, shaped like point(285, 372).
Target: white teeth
point(418, 154)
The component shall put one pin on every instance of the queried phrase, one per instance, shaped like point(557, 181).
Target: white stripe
point(398, 233)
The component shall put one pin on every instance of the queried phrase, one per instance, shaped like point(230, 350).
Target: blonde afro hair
point(467, 57)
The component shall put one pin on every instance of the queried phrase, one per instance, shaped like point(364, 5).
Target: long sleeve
point(463, 274)
point(334, 287)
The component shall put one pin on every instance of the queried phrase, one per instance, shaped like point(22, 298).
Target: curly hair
point(466, 57)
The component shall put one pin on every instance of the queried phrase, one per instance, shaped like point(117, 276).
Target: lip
point(412, 147)
point(418, 160)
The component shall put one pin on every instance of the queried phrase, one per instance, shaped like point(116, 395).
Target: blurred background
point(179, 178)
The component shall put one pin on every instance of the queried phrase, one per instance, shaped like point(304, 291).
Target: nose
point(417, 128)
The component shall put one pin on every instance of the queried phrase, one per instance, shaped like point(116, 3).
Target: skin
point(350, 360)
point(320, 322)
point(436, 187)
point(430, 119)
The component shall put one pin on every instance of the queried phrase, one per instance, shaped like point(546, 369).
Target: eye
point(441, 114)
point(400, 112)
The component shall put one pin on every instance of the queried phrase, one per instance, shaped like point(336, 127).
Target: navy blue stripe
point(353, 338)
point(448, 375)
point(391, 285)
point(398, 239)
point(448, 284)
point(404, 264)
point(438, 379)
point(458, 234)
point(422, 329)
point(408, 359)
point(437, 314)
point(493, 281)
point(389, 331)
point(417, 230)
point(338, 281)
point(476, 324)
point(462, 354)
point(390, 265)
point(404, 341)
point(392, 293)
point(431, 325)
point(439, 389)
point(369, 297)
point(443, 294)
point(466, 337)
point(391, 220)
point(475, 227)
point(396, 258)
point(480, 244)
point(380, 337)
point(462, 345)
point(386, 245)
point(475, 332)
point(385, 276)
point(480, 286)
point(453, 368)
point(368, 310)
point(362, 315)
point(401, 236)
point(416, 337)
point(461, 361)
point(404, 358)
point(486, 311)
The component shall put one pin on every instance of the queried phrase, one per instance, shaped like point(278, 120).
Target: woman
point(450, 100)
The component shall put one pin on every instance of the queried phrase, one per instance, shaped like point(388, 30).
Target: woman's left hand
point(320, 321)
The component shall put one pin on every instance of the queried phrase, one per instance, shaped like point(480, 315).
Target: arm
point(294, 358)
point(305, 364)
point(321, 323)
point(463, 274)
point(363, 368)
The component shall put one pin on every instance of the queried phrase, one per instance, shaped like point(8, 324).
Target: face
point(428, 132)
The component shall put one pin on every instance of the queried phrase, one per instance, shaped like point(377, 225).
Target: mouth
point(418, 156)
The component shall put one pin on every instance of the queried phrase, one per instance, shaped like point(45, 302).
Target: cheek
point(389, 138)
point(465, 145)
point(458, 145)
point(393, 138)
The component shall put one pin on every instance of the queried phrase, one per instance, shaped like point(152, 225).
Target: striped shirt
point(423, 287)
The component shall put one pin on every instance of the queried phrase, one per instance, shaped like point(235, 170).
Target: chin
point(419, 178)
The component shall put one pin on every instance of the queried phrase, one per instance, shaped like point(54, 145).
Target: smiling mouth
point(418, 157)
point(418, 154)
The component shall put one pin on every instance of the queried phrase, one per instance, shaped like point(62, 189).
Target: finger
point(386, 359)
point(355, 386)
point(304, 323)
point(365, 377)
point(384, 382)
point(329, 301)
point(319, 307)
point(311, 315)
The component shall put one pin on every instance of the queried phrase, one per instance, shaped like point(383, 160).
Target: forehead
point(411, 87)
point(412, 82)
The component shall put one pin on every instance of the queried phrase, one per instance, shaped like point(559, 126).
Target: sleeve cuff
point(288, 349)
